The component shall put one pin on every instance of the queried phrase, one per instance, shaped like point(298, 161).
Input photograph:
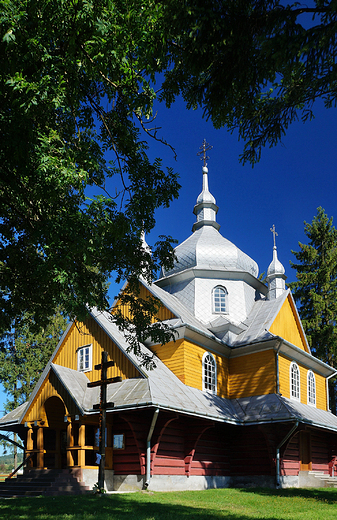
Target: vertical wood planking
point(287, 325)
point(284, 374)
point(253, 374)
point(89, 332)
point(184, 359)
point(144, 293)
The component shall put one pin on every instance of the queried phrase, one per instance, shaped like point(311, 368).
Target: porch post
point(30, 444)
point(81, 444)
point(39, 443)
point(70, 444)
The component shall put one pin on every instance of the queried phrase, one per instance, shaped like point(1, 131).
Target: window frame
point(292, 367)
point(311, 388)
point(82, 349)
point(222, 288)
point(212, 390)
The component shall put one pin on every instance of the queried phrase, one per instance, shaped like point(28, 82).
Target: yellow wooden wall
point(79, 335)
point(287, 326)
point(253, 374)
point(90, 332)
point(51, 387)
point(284, 374)
point(184, 359)
point(144, 293)
point(172, 354)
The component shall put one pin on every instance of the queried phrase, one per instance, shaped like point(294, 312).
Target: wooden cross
point(273, 230)
point(203, 149)
point(102, 407)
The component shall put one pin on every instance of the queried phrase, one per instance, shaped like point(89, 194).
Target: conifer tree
point(316, 291)
point(24, 352)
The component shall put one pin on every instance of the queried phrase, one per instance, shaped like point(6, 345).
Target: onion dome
point(205, 208)
point(275, 274)
point(275, 267)
point(206, 248)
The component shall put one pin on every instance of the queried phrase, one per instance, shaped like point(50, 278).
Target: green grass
point(233, 504)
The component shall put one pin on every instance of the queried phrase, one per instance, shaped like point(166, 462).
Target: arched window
point(294, 381)
point(220, 303)
point(209, 373)
point(311, 386)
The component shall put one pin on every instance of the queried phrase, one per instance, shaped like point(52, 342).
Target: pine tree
point(316, 291)
point(24, 353)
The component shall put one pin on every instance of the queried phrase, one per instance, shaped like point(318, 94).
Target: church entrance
point(55, 435)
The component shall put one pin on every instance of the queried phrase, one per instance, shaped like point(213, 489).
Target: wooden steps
point(47, 482)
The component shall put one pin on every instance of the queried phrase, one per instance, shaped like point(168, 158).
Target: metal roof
point(161, 388)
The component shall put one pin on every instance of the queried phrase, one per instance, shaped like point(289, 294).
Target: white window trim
point(90, 358)
point(293, 364)
point(226, 300)
point(215, 374)
point(309, 403)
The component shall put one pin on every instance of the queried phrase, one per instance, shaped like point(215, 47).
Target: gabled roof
point(13, 417)
point(76, 384)
point(184, 316)
point(161, 388)
point(260, 319)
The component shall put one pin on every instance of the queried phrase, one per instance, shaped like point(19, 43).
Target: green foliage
point(74, 89)
point(24, 353)
point(138, 324)
point(6, 462)
point(97, 490)
point(77, 87)
point(252, 65)
point(316, 290)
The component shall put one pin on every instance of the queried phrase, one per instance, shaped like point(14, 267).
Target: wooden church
point(237, 399)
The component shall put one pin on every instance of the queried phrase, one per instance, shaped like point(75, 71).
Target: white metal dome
point(206, 247)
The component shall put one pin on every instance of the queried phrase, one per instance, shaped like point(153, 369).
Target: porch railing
point(11, 475)
point(333, 466)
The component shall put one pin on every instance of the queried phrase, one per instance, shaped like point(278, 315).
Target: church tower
point(211, 276)
point(275, 274)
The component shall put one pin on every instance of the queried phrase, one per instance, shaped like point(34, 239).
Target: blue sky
point(285, 188)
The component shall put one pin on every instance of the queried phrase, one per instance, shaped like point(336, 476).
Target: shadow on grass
point(231, 504)
point(113, 507)
point(327, 495)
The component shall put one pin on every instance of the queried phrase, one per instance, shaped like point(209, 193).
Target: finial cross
point(203, 149)
point(273, 230)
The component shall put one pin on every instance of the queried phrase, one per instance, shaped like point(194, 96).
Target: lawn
point(233, 504)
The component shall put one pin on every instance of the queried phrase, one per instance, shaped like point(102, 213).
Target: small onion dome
point(205, 208)
point(205, 195)
point(275, 267)
point(275, 277)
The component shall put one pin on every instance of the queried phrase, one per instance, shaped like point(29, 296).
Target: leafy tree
point(77, 87)
point(253, 65)
point(24, 353)
point(73, 88)
point(316, 291)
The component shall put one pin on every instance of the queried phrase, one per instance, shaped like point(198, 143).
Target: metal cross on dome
point(273, 230)
point(203, 149)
